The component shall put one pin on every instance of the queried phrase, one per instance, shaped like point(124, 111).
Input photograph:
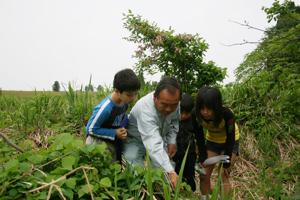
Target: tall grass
point(267, 168)
point(270, 116)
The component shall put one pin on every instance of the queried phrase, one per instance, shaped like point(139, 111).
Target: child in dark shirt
point(185, 137)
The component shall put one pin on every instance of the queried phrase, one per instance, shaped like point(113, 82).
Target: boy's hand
point(121, 133)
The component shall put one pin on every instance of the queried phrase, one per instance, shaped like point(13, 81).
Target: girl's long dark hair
point(211, 98)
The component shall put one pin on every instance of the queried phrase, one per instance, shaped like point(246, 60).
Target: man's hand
point(171, 150)
point(121, 133)
point(173, 179)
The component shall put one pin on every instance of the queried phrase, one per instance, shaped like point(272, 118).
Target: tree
point(89, 87)
point(278, 55)
point(273, 67)
point(180, 56)
point(100, 88)
point(56, 86)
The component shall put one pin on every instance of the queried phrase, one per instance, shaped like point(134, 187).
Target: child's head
point(209, 105)
point(186, 106)
point(126, 80)
point(126, 84)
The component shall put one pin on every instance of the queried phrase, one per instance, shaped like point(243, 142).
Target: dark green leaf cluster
point(56, 86)
point(62, 163)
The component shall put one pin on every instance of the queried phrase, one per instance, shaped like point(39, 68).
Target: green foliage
point(272, 117)
point(80, 107)
point(266, 102)
point(64, 155)
point(180, 56)
point(276, 59)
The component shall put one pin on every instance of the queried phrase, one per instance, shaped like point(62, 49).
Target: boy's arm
point(94, 125)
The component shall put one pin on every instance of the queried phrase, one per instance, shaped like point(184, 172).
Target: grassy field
point(26, 94)
point(267, 168)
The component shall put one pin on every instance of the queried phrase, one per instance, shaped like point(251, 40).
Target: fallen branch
point(52, 183)
point(11, 143)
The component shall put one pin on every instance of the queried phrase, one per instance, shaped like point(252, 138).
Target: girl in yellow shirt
point(222, 136)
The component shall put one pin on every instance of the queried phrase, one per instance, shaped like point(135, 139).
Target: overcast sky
point(68, 41)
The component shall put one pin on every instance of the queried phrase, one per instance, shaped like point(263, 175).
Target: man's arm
point(151, 138)
point(172, 134)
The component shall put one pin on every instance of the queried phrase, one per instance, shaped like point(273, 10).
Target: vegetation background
point(49, 127)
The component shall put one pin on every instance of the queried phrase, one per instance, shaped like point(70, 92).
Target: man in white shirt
point(154, 123)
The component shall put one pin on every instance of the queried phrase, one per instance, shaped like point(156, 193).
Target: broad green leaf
point(84, 190)
point(3, 159)
point(139, 169)
point(13, 192)
point(36, 159)
point(77, 143)
point(71, 183)
point(24, 167)
point(59, 170)
point(51, 178)
point(65, 138)
point(105, 182)
point(101, 148)
point(68, 162)
point(68, 192)
point(60, 183)
point(104, 196)
point(12, 165)
point(26, 144)
point(88, 148)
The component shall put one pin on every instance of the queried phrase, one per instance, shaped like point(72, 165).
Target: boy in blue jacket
point(110, 113)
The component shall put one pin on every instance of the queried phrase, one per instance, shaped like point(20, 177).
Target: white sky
point(68, 41)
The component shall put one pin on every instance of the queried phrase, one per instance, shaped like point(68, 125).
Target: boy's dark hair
point(187, 103)
point(211, 98)
point(169, 83)
point(126, 80)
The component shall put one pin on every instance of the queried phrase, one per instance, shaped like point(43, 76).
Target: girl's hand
point(227, 171)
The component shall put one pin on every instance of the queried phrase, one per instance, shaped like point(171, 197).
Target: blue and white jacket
point(106, 118)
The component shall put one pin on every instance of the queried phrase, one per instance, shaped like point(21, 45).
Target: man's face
point(167, 103)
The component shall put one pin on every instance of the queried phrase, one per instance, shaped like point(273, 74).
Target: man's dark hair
point(126, 80)
point(211, 98)
point(169, 83)
point(187, 103)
